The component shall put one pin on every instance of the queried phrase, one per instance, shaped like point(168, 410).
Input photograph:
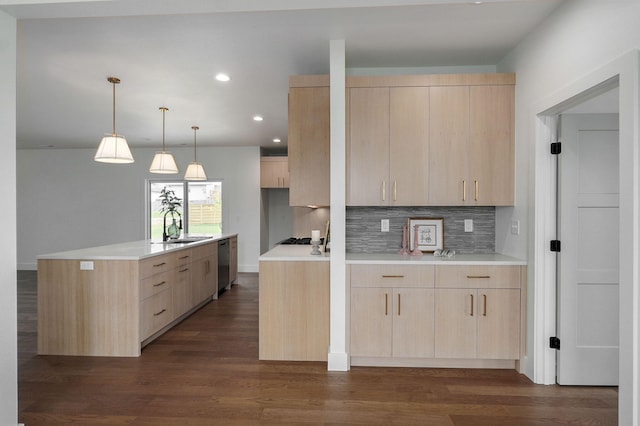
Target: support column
point(338, 359)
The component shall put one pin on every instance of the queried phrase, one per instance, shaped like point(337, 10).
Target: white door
point(588, 304)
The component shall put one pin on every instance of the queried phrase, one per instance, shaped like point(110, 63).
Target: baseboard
point(338, 361)
point(433, 362)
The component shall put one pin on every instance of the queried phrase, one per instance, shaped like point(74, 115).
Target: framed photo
point(430, 233)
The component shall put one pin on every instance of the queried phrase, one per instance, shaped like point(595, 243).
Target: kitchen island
point(112, 300)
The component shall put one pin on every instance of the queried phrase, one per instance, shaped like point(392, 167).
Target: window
point(201, 211)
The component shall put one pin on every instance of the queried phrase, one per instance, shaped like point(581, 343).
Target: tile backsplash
point(364, 236)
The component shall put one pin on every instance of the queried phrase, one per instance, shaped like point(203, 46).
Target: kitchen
point(120, 188)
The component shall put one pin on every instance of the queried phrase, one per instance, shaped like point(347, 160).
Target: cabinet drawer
point(199, 252)
point(155, 265)
point(392, 275)
point(181, 257)
point(156, 313)
point(154, 284)
point(477, 276)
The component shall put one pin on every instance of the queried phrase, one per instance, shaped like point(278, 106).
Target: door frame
point(625, 72)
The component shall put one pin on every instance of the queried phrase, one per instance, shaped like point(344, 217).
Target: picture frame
point(430, 233)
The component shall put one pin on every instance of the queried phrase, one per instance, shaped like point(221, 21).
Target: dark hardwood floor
point(206, 371)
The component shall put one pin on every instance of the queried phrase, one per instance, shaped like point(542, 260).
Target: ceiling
point(166, 53)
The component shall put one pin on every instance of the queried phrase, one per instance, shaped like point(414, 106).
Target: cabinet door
point(408, 146)
point(492, 147)
point(448, 138)
point(498, 324)
point(204, 279)
point(182, 290)
point(274, 172)
point(455, 323)
point(308, 146)
point(371, 321)
point(233, 260)
point(368, 147)
point(413, 322)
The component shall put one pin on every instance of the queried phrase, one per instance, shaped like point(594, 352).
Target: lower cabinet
point(294, 310)
point(389, 322)
point(447, 315)
point(477, 323)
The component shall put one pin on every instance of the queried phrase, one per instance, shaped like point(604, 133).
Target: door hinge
point(554, 343)
point(555, 245)
point(556, 148)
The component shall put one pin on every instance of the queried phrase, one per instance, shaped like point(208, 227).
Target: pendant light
point(163, 162)
point(195, 171)
point(113, 148)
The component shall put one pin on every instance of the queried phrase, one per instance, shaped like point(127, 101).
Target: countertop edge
point(102, 252)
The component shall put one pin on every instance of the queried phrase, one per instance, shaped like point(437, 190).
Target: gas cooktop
point(294, 240)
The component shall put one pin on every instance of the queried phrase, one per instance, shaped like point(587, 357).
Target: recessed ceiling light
point(276, 140)
point(222, 77)
point(257, 118)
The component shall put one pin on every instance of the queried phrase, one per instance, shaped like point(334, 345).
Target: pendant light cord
point(195, 155)
point(164, 110)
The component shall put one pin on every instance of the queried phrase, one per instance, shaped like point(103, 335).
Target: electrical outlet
point(86, 266)
point(515, 227)
point(468, 225)
point(384, 225)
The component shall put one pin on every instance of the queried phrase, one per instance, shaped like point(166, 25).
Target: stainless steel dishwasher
point(223, 265)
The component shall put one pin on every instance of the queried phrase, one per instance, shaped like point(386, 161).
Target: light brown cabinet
point(392, 311)
point(204, 273)
point(430, 140)
point(477, 312)
point(388, 146)
point(472, 145)
point(421, 315)
point(294, 310)
point(309, 145)
point(274, 172)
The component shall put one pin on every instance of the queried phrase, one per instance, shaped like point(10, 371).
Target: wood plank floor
point(206, 371)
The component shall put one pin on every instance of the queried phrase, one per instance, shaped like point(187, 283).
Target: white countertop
point(288, 253)
point(293, 252)
point(133, 250)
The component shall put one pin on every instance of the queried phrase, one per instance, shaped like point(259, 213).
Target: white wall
point(579, 39)
point(68, 201)
point(8, 278)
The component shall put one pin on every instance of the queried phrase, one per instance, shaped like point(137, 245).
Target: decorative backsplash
point(364, 236)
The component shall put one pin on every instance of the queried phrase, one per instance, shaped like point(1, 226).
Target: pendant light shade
point(113, 148)
point(195, 171)
point(163, 162)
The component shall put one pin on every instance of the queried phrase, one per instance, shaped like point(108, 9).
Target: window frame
point(185, 202)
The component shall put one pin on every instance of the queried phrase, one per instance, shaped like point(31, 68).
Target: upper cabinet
point(472, 146)
point(308, 141)
point(430, 140)
point(274, 172)
point(387, 148)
